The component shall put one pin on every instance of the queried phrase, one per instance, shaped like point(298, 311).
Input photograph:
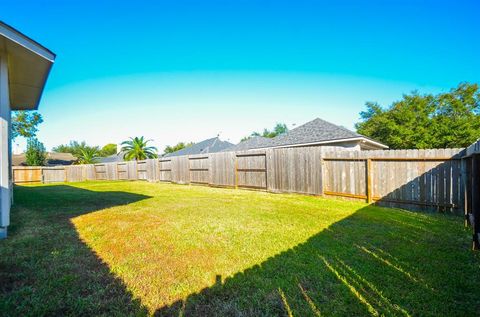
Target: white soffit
point(29, 64)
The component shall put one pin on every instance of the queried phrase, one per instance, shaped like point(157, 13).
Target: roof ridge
point(338, 126)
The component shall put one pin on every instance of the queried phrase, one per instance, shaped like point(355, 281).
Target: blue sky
point(188, 70)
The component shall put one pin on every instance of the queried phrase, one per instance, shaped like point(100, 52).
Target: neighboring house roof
point(53, 158)
point(319, 131)
point(112, 158)
point(212, 145)
point(315, 132)
point(29, 66)
point(254, 142)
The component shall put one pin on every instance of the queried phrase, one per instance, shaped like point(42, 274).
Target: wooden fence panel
point(165, 170)
point(251, 170)
point(74, 173)
point(132, 170)
point(54, 174)
point(222, 169)
point(142, 170)
point(295, 170)
point(89, 172)
point(152, 168)
point(345, 178)
point(122, 171)
point(100, 172)
point(111, 171)
point(418, 179)
point(27, 174)
point(180, 169)
point(199, 166)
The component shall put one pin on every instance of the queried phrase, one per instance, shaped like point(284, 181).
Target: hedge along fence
point(412, 179)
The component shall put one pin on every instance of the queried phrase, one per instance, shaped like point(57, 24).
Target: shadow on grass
point(46, 270)
point(378, 261)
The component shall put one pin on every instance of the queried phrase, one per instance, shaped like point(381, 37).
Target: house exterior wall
point(5, 148)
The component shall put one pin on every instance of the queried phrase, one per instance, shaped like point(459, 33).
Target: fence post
point(475, 196)
point(467, 182)
point(236, 172)
point(369, 180)
point(322, 177)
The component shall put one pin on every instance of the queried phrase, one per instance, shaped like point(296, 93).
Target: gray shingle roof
point(112, 158)
point(317, 130)
point(207, 146)
point(251, 143)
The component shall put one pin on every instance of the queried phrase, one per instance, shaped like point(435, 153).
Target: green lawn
point(136, 248)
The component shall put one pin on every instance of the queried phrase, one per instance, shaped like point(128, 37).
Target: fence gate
point(251, 170)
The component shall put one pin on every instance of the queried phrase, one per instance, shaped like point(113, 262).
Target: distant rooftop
point(53, 158)
point(254, 142)
point(212, 145)
point(317, 130)
point(112, 158)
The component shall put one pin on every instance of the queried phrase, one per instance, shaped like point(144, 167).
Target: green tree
point(25, 123)
point(88, 156)
point(109, 149)
point(418, 121)
point(280, 128)
point(36, 155)
point(177, 147)
point(75, 148)
point(137, 149)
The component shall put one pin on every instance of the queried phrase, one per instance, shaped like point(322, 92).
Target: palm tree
point(88, 155)
point(137, 149)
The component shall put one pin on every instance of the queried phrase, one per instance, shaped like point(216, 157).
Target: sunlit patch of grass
point(137, 248)
point(176, 243)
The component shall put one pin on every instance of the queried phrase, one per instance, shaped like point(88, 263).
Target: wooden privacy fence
point(412, 179)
